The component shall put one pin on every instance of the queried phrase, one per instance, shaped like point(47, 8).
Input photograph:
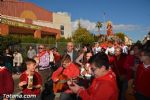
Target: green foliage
point(27, 39)
point(96, 38)
point(138, 42)
point(6, 41)
point(62, 39)
point(31, 39)
point(83, 36)
point(121, 36)
point(99, 25)
point(10, 40)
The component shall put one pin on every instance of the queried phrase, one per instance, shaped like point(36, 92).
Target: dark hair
point(54, 48)
point(29, 61)
point(100, 59)
point(84, 56)
point(139, 45)
point(146, 48)
point(66, 57)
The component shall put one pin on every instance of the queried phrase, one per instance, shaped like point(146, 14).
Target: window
point(62, 32)
point(62, 29)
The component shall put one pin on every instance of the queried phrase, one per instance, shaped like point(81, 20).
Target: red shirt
point(36, 81)
point(131, 61)
point(6, 82)
point(142, 81)
point(72, 71)
point(102, 88)
point(111, 59)
point(119, 64)
point(128, 65)
point(57, 57)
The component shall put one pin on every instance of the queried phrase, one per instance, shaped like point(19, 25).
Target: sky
point(131, 17)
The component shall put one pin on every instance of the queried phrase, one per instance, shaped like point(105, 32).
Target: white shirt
point(110, 49)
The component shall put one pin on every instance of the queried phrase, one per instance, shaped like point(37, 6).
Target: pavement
point(16, 82)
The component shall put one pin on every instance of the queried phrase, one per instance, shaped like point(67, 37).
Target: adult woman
point(80, 59)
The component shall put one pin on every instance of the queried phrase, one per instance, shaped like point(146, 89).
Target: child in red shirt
point(32, 85)
point(69, 71)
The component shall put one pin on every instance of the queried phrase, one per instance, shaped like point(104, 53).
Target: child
point(68, 70)
point(30, 80)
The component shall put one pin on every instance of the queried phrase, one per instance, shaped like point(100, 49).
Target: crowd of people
point(113, 72)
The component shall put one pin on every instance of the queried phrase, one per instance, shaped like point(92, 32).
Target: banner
point(19, 24)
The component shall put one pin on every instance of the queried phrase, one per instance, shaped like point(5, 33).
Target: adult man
point(104, 85)
point(71, 52)
point(44, 68)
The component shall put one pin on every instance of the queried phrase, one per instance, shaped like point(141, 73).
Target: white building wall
point(65, 20)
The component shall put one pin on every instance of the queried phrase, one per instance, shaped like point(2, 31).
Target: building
point(25, 18)
point(146, 38)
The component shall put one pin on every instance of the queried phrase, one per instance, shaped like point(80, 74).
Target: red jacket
point(72, 71)
point(36, 80)
point(102, 88)
point(142, 81)
point(6, 82)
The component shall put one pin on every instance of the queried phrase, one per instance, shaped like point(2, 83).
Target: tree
point(82, 35)
point(99, 25)
point(121, 36)
point(63, 39)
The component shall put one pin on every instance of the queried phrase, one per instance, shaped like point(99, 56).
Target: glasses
point(40, 48)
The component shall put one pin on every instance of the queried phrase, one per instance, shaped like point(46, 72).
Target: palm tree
point(79, 24)
point(99, 25)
